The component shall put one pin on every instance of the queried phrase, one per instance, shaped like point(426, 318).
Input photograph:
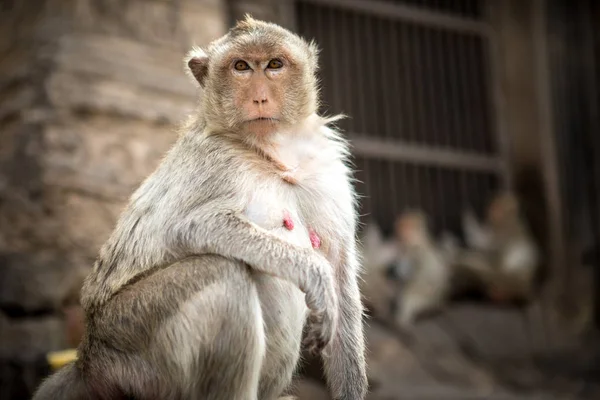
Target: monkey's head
point(257, 79)
point(411, 228)
point(503, 209)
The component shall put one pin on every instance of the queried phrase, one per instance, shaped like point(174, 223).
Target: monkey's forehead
point(259, 43)
point(413, 215)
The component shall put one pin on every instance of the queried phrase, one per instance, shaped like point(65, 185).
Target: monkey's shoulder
point(199, 166)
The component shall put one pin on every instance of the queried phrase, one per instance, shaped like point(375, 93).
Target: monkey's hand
point(322, 301)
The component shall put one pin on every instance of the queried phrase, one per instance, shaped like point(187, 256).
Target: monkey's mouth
point(264, 119)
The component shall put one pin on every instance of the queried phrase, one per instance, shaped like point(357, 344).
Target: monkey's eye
point(275, 64)
point(241, 65)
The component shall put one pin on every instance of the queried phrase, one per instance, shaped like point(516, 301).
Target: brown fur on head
point(504, 208)
point(257, 79)
point(411, 228)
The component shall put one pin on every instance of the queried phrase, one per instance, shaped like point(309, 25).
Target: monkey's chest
point(283, 303)
point(278, 212)
point(307, 200)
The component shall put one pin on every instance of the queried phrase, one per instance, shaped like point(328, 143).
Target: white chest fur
point(316, 199)
point(273, 208)
point(319, 199)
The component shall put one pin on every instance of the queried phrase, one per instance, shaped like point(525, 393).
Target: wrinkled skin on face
point(257, 79)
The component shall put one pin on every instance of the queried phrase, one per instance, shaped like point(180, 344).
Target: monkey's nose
point(262, 100)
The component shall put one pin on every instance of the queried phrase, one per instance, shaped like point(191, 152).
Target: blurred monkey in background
point(426, 271)
point(502, 251)
point(379, 255)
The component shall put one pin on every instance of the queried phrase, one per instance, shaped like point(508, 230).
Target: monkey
point(428, 280)
point(378, 289)
point(502, 251)
point(244, 235)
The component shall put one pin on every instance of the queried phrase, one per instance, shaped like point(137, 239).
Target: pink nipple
point(315, 240)
point(288, 222)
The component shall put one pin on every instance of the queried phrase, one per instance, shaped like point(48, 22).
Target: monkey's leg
point(284, 312)
point(220, 333)
point(345, 365)
point(192, 330)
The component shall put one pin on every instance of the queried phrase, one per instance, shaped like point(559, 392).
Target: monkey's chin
point(262, 126)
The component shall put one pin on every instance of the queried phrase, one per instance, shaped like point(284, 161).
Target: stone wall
point(90, 95)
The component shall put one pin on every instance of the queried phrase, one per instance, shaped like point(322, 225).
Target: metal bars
point(415, 78)
point(404, 12)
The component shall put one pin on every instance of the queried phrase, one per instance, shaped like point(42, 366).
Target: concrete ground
point(452, 357)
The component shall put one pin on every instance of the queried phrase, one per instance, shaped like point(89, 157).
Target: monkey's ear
point(197, 62)
point(313, 55)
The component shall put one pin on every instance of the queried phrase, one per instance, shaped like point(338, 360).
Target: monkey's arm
point(476, 236)
point(345, 364)
point(231, 235)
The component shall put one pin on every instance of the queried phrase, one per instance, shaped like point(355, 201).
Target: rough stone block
point(26, 338)
point(37, 282)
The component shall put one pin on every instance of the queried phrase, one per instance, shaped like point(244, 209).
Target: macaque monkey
point(378, 254)
point(429, 277)
point(202, 290)
point(502, 251)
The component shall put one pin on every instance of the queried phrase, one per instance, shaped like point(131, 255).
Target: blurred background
point(451, 103)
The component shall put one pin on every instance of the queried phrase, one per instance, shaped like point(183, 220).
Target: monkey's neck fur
point(295, 150)
point(145, 236)
point(298, 151)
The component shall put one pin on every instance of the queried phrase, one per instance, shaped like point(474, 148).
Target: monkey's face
point(410, 229)
point(258, 79)
point(260, 89)
point(504, 208)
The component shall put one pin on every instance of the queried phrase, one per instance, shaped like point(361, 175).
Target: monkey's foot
point(288, 222)
point(314, 340)
point(320, 333)
point(315, 240)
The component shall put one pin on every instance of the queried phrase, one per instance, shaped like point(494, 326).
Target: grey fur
point(65, 384)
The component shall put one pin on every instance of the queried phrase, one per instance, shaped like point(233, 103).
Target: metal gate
point(419, 80)
point(573, 51)
point(416, 79)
